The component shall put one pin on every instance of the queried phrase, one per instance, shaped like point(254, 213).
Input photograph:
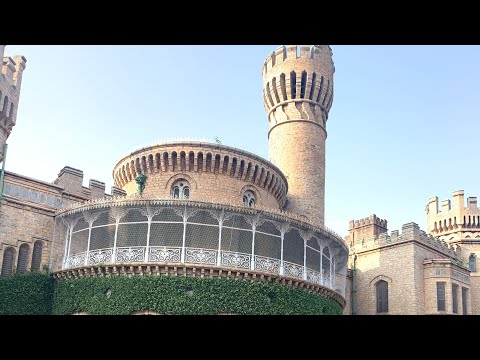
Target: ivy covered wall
point(120, 295)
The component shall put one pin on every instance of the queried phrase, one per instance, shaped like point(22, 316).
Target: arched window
point(7, 264)
point(22, 258)
point(382, 296)
point(181, 189)
point(472, 262)
point(37, 255)
point(249, 199)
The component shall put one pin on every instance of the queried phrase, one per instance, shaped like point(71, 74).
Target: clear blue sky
point(404, 124)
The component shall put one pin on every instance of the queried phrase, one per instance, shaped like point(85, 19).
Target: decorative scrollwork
point(100, 256)
point(293, 270)
point(150, 212)
point(282, 227)
point(90, 218)
point(267, 264)
point(201, 256)
point(118, 213)
point(131, 254)
point(237, 260)
point(75, 260)
point(313, 276)
point(164, 254)
point(254, 220)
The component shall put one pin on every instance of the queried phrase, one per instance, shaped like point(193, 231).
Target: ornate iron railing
point(163, 232)
point(164, 254)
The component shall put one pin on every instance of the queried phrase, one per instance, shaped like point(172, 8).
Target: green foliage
point(185, 295)
point(28, 294)
point(141, 180)
point(38, 293)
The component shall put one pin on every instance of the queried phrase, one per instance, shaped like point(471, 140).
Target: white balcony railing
point(164, 254)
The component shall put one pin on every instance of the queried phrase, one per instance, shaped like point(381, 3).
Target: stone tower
point(454, 222)
point(10, 83)
point(298, 94)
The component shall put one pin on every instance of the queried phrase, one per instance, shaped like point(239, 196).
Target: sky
point(403, 127)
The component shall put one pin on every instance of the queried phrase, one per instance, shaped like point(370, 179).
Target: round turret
point(298, 94)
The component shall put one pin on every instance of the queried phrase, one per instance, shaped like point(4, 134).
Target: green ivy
point(185, 295)
point(29, 294)
point(37, 293)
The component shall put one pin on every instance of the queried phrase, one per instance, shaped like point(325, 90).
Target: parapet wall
point(371, 220)
point(71, 180)
point(410, 232)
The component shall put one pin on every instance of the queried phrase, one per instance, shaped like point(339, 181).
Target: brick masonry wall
point(215, 184)
point(298, 148)
point(20, 224)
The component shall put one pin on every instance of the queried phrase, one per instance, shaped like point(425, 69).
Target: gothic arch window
point(37, 255)
point(181, 189)
point(22, 258)
point(382, 296)
point(249, 198)
point(472, 263)
point(7, 263)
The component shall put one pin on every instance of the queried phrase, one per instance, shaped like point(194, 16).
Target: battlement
point(314, 53)
point(452, 216)
point(371, 220)
point(410, 232)
point(71, 180)
point(298, 86)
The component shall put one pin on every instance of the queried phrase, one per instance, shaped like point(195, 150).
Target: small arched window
point(181, 189)
point(22, 258)
point(249, 198)
point(472, 263)
point(37, 256)
point(382, 296)
point(7, 263)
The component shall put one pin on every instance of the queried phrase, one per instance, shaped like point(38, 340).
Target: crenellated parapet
point(10, 84)
point(71, 180)
point(368, 221)
point(453, 220)
point(410, 232)
point(298, 87)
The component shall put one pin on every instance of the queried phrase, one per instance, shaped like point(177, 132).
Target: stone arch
point(37, 253)
point(158, 158)
point(191, 180)
point(22, 258)
point(225, 165)
point(191, 161)
point(252, 189)
point(150, 163)
point(376, 279)
point(8, 260)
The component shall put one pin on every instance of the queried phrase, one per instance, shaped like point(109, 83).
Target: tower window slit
point(293, 84)
point(319, 95)
point(312, 89)
point(283, 87)
point(303, 85)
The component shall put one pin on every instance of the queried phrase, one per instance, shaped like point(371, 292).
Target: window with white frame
point(181, 189)
point(249, 198)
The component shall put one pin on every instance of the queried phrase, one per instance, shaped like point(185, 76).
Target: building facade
point(417, 272)
point(195, 209)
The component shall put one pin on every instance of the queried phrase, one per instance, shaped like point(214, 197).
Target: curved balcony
point(152, 231)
